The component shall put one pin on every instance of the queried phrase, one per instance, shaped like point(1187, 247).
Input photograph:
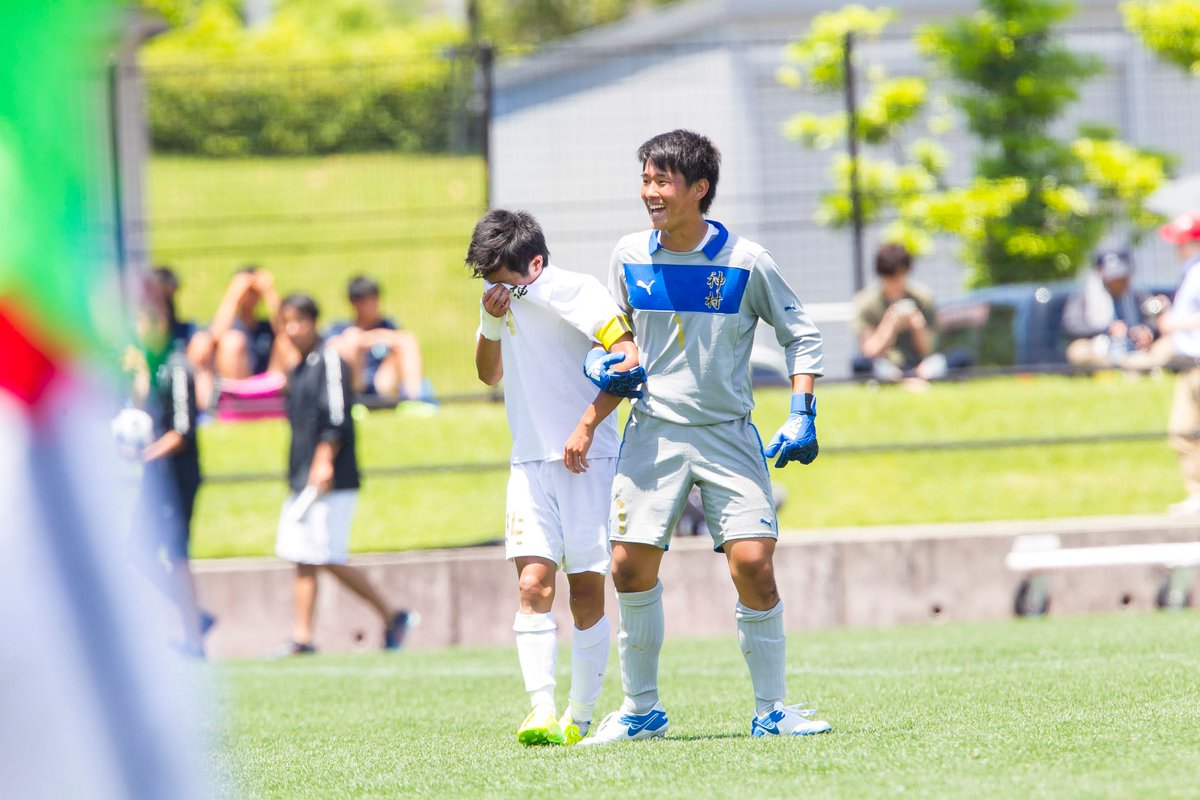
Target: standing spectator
point(171, 473)
point(537, 323)
point(241, 342)
point(894, 321)
point(1182, 322)
point(1106, 320)
point(314, 524)
point(384, 360)
point(695, 292)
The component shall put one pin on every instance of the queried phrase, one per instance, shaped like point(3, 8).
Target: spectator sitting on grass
point(1108, 322)
point(239, 342)
point(384, 360)
point(895, 321)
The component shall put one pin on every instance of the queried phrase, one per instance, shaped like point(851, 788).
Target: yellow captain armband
point(612, 330)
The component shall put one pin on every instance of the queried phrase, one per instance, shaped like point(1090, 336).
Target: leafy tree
point(337, 76)
point(521, 24)
point(1170, 28)
point(1037, 205)
point(1018, 78)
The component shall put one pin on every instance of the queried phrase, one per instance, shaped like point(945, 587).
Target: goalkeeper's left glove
point(597, 365)
point(796, 439)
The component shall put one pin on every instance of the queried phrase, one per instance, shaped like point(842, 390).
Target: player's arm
point(876, 341)
point(167, 444)
point(333, 420)
point(492, 309)
point(576, 450)
point(183, 417)
point(222, 320)
point(776, 303)
point(1172, 320)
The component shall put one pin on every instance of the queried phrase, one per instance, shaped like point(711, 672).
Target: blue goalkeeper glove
point(796, 439)
point(597, 365)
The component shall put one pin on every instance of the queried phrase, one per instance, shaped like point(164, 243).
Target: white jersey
point(551, 325)
point(1187, 303)
point(694, 316)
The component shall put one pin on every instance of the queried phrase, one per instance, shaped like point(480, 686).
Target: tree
point(1170, 28)
point(1037, 205)
point(526, 23)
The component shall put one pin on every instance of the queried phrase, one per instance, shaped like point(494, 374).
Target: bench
point(1040, 554)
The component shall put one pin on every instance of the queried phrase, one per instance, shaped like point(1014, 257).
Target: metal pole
point(487, 58)
point(114, 136)
point(856, 215)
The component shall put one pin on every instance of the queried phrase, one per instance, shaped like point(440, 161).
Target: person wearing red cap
point(1182, 322)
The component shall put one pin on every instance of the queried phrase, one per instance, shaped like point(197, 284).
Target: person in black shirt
point(171, 466)
point(323, 478)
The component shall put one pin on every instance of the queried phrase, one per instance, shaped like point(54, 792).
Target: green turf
point(1099, 706)
point(846, 488)
point(315, 222)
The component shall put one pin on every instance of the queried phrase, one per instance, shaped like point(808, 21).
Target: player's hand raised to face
point(496, 300)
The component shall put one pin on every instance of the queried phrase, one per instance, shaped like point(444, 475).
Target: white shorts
point(553, 513)
point(322, 535)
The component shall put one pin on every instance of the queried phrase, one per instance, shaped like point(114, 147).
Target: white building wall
point(567, 124)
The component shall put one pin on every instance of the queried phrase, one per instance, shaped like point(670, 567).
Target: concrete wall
point(865, 577)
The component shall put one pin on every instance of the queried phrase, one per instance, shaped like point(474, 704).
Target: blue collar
point(710, 250)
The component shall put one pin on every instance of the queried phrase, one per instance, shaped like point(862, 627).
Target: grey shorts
point(660, 462)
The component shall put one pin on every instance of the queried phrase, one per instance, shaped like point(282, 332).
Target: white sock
point(764, 645)
point(639, 641)
point(589, 659)
point(537, 650)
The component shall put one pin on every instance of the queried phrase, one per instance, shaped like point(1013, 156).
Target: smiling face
point(671, 202)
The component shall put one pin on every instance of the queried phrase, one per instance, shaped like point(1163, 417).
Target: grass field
point(1101, 706)
point(315, 222)
point(842, 487)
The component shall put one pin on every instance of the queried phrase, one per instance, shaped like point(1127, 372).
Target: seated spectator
point(168, 285)
point(239, 341)
point(894, 321)
point(1110, 324)
point(384, 360)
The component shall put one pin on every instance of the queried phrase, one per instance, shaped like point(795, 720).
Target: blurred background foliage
point(1037, 205)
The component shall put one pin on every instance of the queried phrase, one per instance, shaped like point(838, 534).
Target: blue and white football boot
point(788, 721)
point(625, 726)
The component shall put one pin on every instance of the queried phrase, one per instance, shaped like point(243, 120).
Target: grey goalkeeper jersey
point(694, 316)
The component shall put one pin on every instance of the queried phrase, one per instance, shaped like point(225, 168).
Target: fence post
point(487, 59)
point(856, 215)
point(114, 141)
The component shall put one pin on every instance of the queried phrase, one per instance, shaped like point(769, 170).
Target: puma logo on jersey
point(646, 286)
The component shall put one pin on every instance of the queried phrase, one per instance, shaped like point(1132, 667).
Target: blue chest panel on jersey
point(686, 287)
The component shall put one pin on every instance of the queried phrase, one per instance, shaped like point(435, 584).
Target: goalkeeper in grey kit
point(695, 292)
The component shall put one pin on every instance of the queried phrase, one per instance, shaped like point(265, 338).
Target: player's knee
point(535, 588)
point(200, 348)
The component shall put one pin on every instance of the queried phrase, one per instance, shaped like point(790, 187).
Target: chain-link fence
point(325, 171)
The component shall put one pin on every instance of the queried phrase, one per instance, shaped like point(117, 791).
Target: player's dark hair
point(246, 268)
point(167, 283)
point(691, 155)
point(302, 304)
point(361, 286)
point(505, 239)
point(891, 259)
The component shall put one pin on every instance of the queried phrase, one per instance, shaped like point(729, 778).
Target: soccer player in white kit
point(537, 323)
point(695, 293)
